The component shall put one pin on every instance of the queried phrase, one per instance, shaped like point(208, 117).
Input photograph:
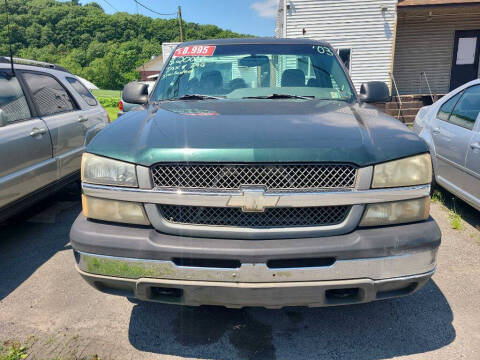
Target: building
point(150, 68)
point(437, 41)
point(154, 66)
point(422, 48)
point(362, 31)
point(167, 49)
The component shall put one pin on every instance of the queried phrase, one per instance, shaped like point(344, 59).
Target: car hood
point(256, 131)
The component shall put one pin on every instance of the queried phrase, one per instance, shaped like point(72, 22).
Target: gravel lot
point(45, 303)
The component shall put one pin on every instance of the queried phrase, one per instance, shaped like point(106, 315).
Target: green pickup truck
point(255, 175)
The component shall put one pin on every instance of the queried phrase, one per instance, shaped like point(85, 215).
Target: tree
point(105, 49)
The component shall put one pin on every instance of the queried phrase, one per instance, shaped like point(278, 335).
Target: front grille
point(223, 176)
point(271, 217)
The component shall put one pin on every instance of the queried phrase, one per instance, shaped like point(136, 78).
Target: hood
point(257, 131)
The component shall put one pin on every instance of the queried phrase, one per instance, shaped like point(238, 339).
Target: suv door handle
point(436, 130)
point(38, 131)
point(475, 145)
point(82, 119)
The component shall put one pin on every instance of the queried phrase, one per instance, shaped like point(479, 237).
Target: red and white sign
point(198, 50)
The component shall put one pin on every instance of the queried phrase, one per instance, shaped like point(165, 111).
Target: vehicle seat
point(238, 83)
point(293, 77)
point(211, 81)
point(324, 82)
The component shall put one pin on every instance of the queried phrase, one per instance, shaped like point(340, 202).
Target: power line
point(113, 7)
point(153, 11)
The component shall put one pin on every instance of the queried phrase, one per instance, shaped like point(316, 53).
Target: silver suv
point(47, 117)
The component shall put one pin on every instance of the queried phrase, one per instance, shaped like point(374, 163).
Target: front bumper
point(364, 265)
point(270, 295)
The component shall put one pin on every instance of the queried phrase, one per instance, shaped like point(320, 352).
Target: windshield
point(254, 71)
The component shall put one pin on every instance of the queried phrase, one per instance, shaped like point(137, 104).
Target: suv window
point(466, 111)
point(82, 91)
point(12, 99)
point(48, 94)
point(447, 107)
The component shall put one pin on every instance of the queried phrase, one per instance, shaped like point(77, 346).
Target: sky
point(254, 17)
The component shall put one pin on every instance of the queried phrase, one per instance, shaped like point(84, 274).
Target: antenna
point(9, 38)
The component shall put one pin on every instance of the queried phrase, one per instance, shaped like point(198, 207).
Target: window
point(12, 99)
point(345, 55)
point(82, 91)
point(447, 107)
point(48, 94)
point(253, 70)
point(466, 111)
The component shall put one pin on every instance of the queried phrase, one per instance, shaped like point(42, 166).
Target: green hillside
point(103, 48)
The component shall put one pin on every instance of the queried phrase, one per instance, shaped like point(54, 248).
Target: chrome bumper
point(373, 268)
point(365, 265)
point(344, 282)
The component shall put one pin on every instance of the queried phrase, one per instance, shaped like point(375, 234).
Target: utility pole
point(180, 22)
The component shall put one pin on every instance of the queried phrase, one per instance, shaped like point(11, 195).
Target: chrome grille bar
point(272, 176)
point(286, 199)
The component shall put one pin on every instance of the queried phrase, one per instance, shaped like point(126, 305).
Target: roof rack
point(20, 61)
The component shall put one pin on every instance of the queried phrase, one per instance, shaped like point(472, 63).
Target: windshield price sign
point(199, 50)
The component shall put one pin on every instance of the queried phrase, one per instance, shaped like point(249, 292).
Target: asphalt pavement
point(45, 304)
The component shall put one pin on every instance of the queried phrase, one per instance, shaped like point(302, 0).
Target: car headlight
point(415, 170)
point(396, 212)
point(114, 210)
point(104, 171)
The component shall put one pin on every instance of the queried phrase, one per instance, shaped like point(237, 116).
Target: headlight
point(104, 171)
point(113, 210)
point(396, 212)
point(415, 170)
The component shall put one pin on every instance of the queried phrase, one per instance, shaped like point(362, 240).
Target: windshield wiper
point(334, 99)
point(280, 96)
point(196, 97)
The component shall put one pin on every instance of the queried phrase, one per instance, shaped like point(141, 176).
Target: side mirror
point(3, 119)
point(374, 91)
point(135, 93)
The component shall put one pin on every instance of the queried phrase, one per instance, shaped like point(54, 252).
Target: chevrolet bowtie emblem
point(253, 200)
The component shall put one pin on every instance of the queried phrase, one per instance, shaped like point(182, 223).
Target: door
point(63, 118)
point(96, 115)
point(465, 60)
point(442, 135)
point(26, 164)
point(473, 164)
point(473, 155)
point(452, 135)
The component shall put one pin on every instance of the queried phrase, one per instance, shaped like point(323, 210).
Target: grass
point(13, 351)
point(112, 112)
point(107, 93)
point(437, 197)
point(456, 221)
point(109, 100)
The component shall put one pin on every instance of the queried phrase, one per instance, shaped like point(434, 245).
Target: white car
point(451, 129)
